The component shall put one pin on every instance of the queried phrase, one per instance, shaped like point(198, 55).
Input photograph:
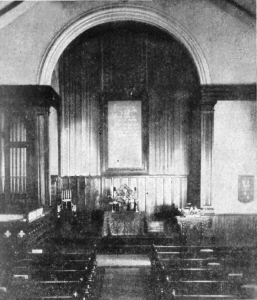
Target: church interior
point(128, 162)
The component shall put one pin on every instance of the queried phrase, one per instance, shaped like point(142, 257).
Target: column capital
point(209, 98)
point(229, 92)
point(207, 105)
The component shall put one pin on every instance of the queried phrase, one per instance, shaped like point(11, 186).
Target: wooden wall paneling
point(229, 223)
point(80, 115)
point(157, 133)
point(91, 192)
point(54, 190)
point(167, 191)
point(172, 184)
point(245, 228)
point(152, 130)
point(65, 183)
point(172, 144)
point(177, 191)
point(166, 128)
point(78, 154)
point(95, 144)
point(142, 194)
point(150, 193)
point(85, 132)
point(177, 137)
point(116, 183)
point(64, 119)
point(168, 113)
point(72, 128)
point(124, 180)
point(74, 189)
point(235, 230)
point(167, 142)
point(81, 192)
point(133, 183)
point(106, 188)
point(185, 135)
point(162, 138)
point(159, 191)
point(97, 185)
point(184, 191)
point(94, 196)
point(219, 230)
point(89, 132)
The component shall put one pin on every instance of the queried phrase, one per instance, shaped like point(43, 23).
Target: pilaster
point(207, 123)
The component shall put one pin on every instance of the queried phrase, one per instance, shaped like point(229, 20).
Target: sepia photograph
point(128, 150)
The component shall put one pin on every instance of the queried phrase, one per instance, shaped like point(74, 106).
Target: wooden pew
point(197, 272)
point(45, 275)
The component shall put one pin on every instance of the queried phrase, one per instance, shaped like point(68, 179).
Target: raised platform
point(133, 244)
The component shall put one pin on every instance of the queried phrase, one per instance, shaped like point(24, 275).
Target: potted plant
point(168, 214)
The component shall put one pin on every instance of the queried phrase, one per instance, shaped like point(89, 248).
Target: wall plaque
point(245, 188)
point(125, 135)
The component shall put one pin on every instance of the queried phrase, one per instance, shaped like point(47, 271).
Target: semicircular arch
point(115, 14)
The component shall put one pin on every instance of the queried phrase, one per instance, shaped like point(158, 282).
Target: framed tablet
point(125, 143)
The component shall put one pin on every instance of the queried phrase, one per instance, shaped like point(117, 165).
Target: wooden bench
point(196, 272)
point(45, 275)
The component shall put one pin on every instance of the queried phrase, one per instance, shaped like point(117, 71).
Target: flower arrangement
point(167, 212)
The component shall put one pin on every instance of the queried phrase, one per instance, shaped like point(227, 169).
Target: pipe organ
point(24, 147)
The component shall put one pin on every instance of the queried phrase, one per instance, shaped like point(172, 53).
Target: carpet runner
point(126, 277)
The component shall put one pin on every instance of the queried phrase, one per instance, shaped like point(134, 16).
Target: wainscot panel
point(152, 191)
point(236, 229)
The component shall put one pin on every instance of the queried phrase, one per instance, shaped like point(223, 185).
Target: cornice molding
point(28, 95)
point(230, 92)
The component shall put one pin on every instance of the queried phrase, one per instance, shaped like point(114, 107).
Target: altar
point(195, 227)
point(124, 223)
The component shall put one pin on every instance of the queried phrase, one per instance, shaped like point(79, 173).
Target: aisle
point(125, 277)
